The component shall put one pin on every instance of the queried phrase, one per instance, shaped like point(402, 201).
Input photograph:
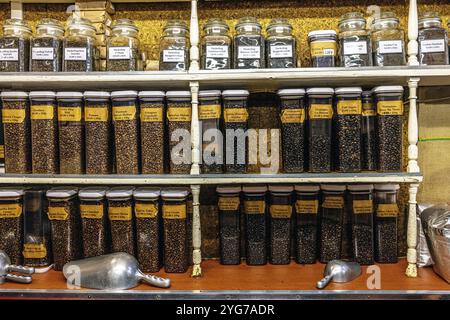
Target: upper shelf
point(72, 1)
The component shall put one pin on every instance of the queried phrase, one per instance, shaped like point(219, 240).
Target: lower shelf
point(259, 282)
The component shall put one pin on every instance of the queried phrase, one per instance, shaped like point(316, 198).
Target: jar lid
point(281, 188)
point(352, 20)
point(318, 34)
point(152, 94)
point(254, 188)
point(74, 23)
point(125, 24)
point(209, 93)
point(96, 95)
point(348, 90)
point(147, 193)
point(14, 94)
point(366, 94)
point(235, 93)
point(307, 188)
point(247, 22)
point(320, 91)
point(229, 189)
point(429, 19)
point(92, 193)
point(50, 23)
point(16, 23)
point(291, 92)
point(178, 94)
point(120, 193)
point(333, 187)
point(174, 193)
point(69, 95)
point(216, 23)
point(61, 192)
point(387, 187)
point(42, 94)
point(385, 17)
point(360, 187)
point(279, 23)
point(124, 94)
point(176, 24)
point(387, 89)
point(11, 192)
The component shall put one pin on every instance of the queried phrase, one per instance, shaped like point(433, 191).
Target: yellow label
point(58, 213)
point(229, 203)
point(2, 151)
point(333, 203)
point(293, 116)
point(174, 211)
point(323, 48)
point(362, 206)
point(307, 206)
point(349, 107)
point(390, 108)
point(151, 114)
point(255, 207)
point(387, 210)
point(235, 115)
point(69, 113)
point(212, 111)
point(96, 114)
point(12, 210)
point(42, 112)
point(280, 211)
point(125, 113)
point(13, 115)
point(120, 213)
point(368, 110)
point(320, 111)
point(146, 210)
point(91, 211)
point(179, 114)
point(34, 251)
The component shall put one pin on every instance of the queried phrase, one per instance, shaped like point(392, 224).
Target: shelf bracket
point(196, 232)
point(16, 10)
point(195, 38)
point(413, 33)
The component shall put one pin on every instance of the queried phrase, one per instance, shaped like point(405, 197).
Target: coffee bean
point(179, 168)
point(87, 65)
point(386, 248)
point(95, 235)
point(131, 64)
point(363, 243)
point(51, 65)
point(306, 243)
point(23, 60)
point(319, 153)
point(175, 245)
point(11, 234)
point(348, 129)
point(152, 142)
point(122, 231)
point(390, 142)
point(256, 252)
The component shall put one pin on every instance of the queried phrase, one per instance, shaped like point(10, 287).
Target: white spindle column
point(413, 32)
point(196, 232)
point(195, 36)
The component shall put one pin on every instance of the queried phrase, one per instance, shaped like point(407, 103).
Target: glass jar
point(152, 131)
point(94, 221)
point(292, 115)
point(354, 41)
point(46, 46)
point(98, 132)
point(280, 223)
point(11, 223)
point(389, 101)
point(320, 114)
point(80, 46)
point(388, 41)
point(361, 206)
point(71, 132)
point(323, 47)
point(210, 114)
point(126, 131)
point(64, 216)
point(216, 45)
point(249, 45)
point(333, 210)
point(174, 47)
point(175, 229)
point(15, 46)
point(255, 224)
point(348, 128)
point(386, 243)
point(179, 113)
point(235, 116)
point(120, 213)
point(433, 40)
point(281, 45)
point(17, 132)
point(148, 228)
point(306, 212)
point(123, 47)
point(369, 133)
point(44, 132)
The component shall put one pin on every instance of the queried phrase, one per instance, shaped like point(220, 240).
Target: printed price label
point(307, 206)
point(390, 108)
point(151, 114)
point(146, 210)
point(173, 55)
point(96, 114)
point(179, 114)
point(235, 115)
point(229, 203)
point(387, 210)
point(355, 47)
point(174, 211)
point(362, 206)
point(278, 51)
point(39, 53)
point(293, 116)
point(206, 112)
point(91, 211)
point(431, 46)
point(9, 54)
point(42, 112)
point(13, 115)
point(280, 211)
point(125, 113)
point(333, 203)
point(255, 207)
point(249, 52)
point(217, 51)
point(323, 48)
point(320, 111)
point(119, 53)
point(11, 210)
point(390, 46)
point(34, 251)
point(349, 107)
point(69, 114)
point(75, 54)
point(58, 213)
point(120, 213)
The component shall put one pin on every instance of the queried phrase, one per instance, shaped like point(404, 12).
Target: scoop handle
point(19, 279)
point(324, 282)
point(20, 269)
point(155, 281)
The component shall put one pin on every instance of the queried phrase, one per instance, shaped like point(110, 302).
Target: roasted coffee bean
point(214, 63)
point(131, 64)
point(256, 239)
point(174, 43)
point(280, 240)
point(11, 237)
point(246, 40)
point(122, 231)
point(388, 59)
point(179, 168)
point(369, 143)
point(148, 249)
point(229, 237)
point(175, 245)
point(285, 62)
point(363, 243)
point(95, 233)
point(152, 142)
point(349, 142)
point(330, 239)
point(38, 240)
point(320, 153)
point(50, 65)
point(390, 142)
point(23, 60)
point(306, 251)
point(386, 248)
point(356, 59)
point(87, 65)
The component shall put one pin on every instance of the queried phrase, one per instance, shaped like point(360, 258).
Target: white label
point(78, 54)
point(217, 51)
point(281, 51)
point(173, 55)
point(9, 54)
point(391, 46)
point(42, 53)
point(249, 52)
point(430, 46)
point(119, 53)
point(355, 47)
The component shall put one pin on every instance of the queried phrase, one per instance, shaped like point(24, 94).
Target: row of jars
point(39, 227)
point(324, 223)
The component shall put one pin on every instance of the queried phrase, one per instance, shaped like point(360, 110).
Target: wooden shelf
point(73, 1)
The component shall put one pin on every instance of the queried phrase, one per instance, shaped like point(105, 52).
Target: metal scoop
point(115, 271)
point(6, 268)
point(339, 271)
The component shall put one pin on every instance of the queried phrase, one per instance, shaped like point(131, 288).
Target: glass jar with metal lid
point(174, 47)
point(46, 46)
point(249, 45)
point(281, 45)
point(388, 41)
point(123, 52)
point(216, 45)
point(433, 40)
point(354, 41)
point(368, 133)
point(15, 46)
point(80, 46)
point(323, 48)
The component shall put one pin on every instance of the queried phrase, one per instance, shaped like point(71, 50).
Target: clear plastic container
point(369, 132)
point(174, 47)
point(123, 47)
point(281, 45)
point(44, 132)
point(386, 239)
point(249, 45)
point(148, 228)
point(125, 115)
point(306, 228)
point(433, 40)
point(46, 46)
point(94, 221)
point(235, 115)
point(323, 48)
point(320, 115)
point(255, 224)
point(71, 132)
point(17, 131)
point(216, 45)
point(389, 101)
point(65, 220)
point(15, 46)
